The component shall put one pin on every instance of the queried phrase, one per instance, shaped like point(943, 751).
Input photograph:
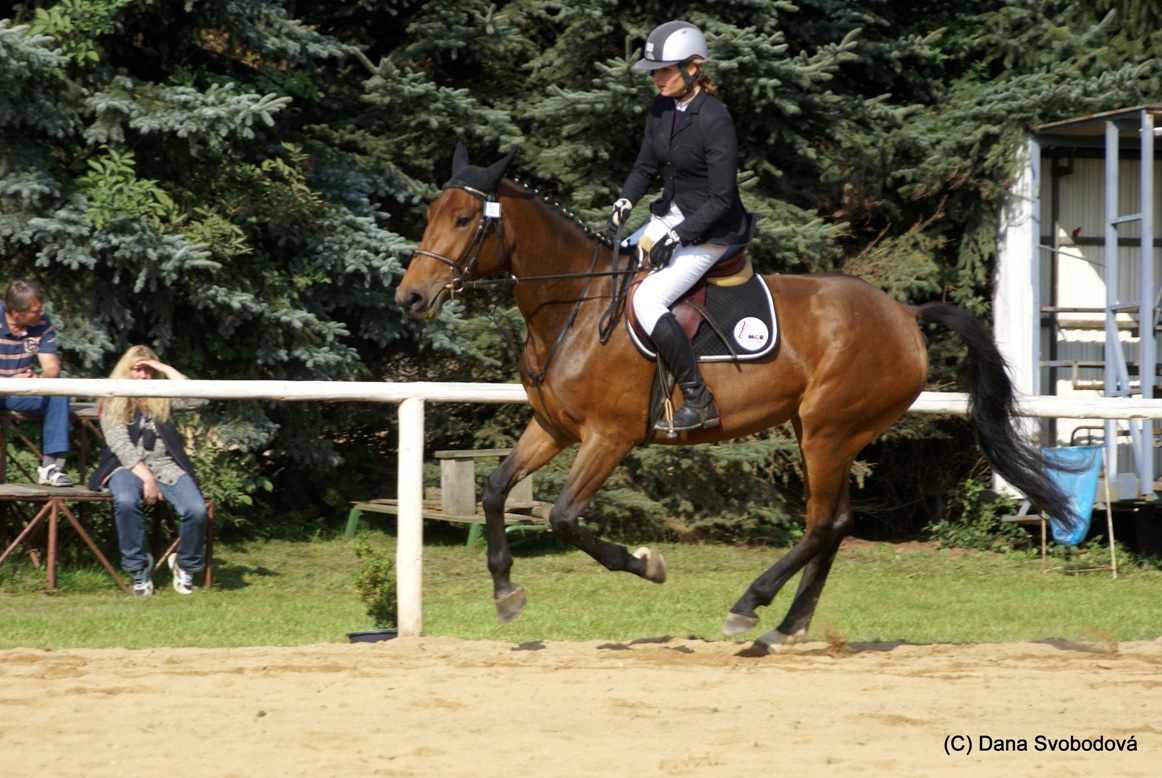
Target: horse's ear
point(496, 170)
point(459, 158)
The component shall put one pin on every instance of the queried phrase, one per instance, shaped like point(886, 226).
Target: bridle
point(461, 268)
point(468, 259)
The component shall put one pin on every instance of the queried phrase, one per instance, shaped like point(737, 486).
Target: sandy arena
point(446, 707)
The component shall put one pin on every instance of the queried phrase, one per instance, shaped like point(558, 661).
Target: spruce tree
point(176, 175)
point(236, 182)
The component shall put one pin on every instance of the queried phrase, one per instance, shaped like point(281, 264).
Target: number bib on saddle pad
point(743, 325)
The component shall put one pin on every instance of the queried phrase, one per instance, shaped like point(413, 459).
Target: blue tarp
point(1081, 487)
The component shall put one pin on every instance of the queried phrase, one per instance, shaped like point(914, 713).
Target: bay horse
point(850, 362)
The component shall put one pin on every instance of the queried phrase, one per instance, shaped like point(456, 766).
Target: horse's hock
point(456, 500)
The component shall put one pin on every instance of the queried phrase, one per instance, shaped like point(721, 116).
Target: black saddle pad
point(745, 314)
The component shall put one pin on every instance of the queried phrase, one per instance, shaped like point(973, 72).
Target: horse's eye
point(463, 221)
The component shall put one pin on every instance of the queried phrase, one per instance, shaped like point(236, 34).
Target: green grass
point(282, 593)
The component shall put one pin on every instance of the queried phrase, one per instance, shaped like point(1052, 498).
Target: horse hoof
point(767, 644)
point(736, 623)
point(777, 638)
point(655, 565)
point(755, 649)
point(509, 606)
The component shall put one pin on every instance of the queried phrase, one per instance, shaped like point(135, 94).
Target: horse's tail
point(991, 408)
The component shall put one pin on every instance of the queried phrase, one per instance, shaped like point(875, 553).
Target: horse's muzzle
point(416, 305)
point(412, 303)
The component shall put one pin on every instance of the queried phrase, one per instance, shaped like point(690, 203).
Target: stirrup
point(703, 418)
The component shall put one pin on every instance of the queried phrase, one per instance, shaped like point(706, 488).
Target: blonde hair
point(125, 409)
point(702, 77)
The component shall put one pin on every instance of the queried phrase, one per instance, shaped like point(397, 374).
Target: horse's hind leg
point(815, 573)
point(826, 466)
point(535, 447)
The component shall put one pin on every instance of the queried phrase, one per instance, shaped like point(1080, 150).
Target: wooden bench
point(84, 413)
point(53, 501)
point(457, 500)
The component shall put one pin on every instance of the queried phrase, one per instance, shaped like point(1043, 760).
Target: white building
point(1067, 319)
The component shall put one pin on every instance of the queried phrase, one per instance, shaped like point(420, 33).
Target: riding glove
point(663, 250)
point(619, 214)
point(658, 243)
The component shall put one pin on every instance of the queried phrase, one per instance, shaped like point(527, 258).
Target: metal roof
point(1090, 130)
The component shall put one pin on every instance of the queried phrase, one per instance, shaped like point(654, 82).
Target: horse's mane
point(564, 213)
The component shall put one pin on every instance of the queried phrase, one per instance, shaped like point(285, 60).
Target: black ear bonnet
point(478, 181)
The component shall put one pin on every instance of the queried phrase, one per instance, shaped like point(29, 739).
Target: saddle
point(728, 315)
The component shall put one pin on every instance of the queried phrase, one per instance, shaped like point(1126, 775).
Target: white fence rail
point(411, 398)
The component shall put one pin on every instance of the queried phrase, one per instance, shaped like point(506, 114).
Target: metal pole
point(1110, 255)
point(1147, 359)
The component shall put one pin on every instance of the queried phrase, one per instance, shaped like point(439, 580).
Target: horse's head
point(464, 238)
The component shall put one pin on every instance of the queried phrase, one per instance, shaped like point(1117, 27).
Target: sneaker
point(183, 581)
point(52, 475)
point(143, 579)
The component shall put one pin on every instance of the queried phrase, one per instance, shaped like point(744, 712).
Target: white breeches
point(662, 287)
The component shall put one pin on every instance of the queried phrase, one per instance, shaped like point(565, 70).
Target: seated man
point(27, 336)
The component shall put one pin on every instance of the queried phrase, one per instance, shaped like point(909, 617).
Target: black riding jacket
point(698, 162)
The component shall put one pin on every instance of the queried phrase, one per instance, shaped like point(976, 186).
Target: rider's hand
point(658, 243)
point(663, 250)
point(619, 213)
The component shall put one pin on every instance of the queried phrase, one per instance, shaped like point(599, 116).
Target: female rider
point(690, 143)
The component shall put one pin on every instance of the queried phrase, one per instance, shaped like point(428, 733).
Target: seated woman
point(144, 460)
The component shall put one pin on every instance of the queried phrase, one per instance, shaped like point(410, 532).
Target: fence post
point(409, 555)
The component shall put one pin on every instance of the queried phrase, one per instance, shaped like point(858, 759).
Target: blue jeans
point(55, 432)
point(129, 513)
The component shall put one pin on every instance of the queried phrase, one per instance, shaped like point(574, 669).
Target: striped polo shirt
point(19, 350)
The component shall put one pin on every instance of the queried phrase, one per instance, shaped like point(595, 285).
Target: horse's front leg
point(535, 447)
point(596, 459)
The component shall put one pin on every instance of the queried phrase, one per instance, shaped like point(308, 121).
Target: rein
point(461, 268)
point(512, 280)
point(536, 376)
point(619, 293)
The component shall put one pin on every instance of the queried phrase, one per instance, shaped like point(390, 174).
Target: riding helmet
point(673, 43)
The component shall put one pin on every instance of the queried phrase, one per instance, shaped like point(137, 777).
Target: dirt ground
point(446, 707)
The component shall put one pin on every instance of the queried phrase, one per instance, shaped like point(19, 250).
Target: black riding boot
point(675, 350)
